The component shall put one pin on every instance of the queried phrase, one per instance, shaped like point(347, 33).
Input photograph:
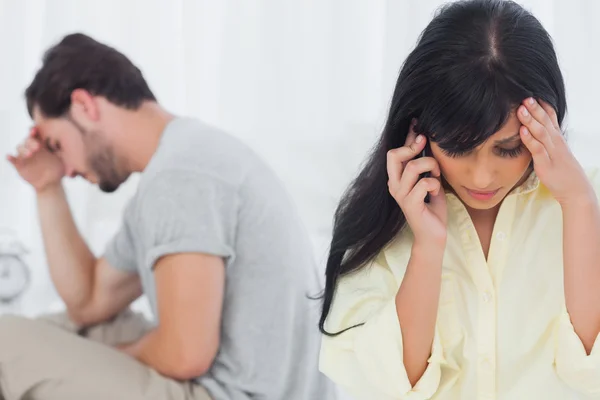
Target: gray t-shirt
point(204, 191)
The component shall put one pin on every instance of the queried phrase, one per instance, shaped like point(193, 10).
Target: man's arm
point(91, 289)
point(189, 290)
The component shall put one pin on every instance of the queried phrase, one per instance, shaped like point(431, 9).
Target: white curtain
point(306, 83)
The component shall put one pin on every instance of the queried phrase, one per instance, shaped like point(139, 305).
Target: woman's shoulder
point(539, 193)
point(396, 254)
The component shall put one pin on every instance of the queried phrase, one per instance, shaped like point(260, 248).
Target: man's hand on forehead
point(36, 134)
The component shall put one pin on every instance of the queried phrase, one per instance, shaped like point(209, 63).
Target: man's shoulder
point(191, 135)
point(191, 146)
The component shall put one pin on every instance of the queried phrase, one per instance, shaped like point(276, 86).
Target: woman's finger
point(538, 112)
point(412, 135)
point(551, 114)
point(416, 197)
point(536, 128)
point(536, 148)
point(412, 172)
point(397, 157)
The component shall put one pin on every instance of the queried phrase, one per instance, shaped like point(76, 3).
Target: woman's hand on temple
point(554, 164)
point(427, 221)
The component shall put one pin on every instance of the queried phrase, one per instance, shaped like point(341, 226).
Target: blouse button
point(487, 296)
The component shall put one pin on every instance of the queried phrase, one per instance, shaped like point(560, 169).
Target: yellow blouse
point(502, 332)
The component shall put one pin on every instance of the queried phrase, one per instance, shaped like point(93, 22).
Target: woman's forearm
point(417, 306)
point(581, 248)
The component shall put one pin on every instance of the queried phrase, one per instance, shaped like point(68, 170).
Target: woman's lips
point(482, 195)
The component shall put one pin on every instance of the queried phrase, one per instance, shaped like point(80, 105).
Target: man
point(210, 237)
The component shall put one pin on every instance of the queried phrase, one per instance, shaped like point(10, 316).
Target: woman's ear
point(416, 126)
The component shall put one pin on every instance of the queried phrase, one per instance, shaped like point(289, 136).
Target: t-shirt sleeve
point(188, 212)
point(120, 252)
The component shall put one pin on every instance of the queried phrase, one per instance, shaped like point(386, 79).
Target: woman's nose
point(483, 176)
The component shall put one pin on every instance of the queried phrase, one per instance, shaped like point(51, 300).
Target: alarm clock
point(14, 273)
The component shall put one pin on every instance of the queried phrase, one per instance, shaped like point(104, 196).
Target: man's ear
point(84, 105)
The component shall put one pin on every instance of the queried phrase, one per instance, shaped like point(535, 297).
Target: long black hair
point(474, 63)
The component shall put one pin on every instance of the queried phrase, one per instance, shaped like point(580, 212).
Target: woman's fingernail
point(524, 112)
point(525, 131)
point(419, 138)
point(531, 101)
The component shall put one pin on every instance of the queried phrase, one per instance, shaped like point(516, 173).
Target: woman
point(491, 289)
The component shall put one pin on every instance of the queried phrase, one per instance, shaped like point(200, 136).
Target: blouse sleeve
point(367, 361)
point(575, 367)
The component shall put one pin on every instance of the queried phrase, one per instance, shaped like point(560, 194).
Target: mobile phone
point(426, 153)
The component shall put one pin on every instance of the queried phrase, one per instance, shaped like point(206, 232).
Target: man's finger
point(22, 150)
point(32, 144)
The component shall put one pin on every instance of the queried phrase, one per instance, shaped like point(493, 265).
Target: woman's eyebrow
point(508, 139)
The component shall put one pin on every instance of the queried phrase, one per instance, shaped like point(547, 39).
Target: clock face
point(14, 277)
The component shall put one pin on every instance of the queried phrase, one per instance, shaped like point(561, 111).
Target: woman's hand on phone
point(427, 220)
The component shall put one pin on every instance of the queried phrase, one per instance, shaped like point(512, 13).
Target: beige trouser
point(50, 359)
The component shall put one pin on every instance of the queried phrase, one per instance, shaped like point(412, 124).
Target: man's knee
point(21, 338)
point(10, 321)
point(15, 327)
